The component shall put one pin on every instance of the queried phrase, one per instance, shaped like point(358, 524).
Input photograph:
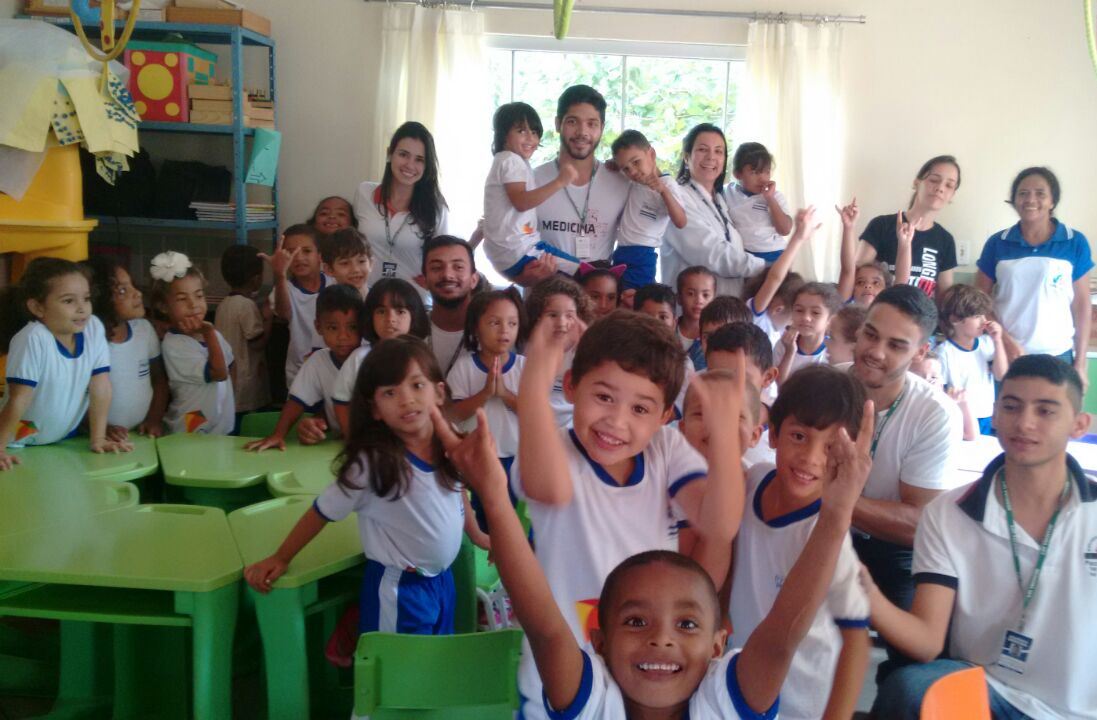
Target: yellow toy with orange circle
point(160, 73)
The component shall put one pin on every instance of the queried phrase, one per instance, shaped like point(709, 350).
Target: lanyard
point(1030, 591)
point(715, 208)
point(883, 423)
point(586, 203)
point(390, 237)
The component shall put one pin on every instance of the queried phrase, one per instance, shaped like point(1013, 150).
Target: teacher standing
point(708, 239)
point(405, 209)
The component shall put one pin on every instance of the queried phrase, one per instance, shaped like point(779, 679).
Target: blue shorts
point(566, 262)
point(402, 601)
point(770, 257)
point(639, 261)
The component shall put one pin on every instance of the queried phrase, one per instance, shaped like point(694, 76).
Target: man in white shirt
point(449, 273)
point(979, 561)
point(581, 219)
point(917, 431)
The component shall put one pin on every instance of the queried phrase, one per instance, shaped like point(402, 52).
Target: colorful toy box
point(160, 73)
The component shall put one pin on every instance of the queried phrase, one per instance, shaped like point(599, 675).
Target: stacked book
point(212, 105)
point(226, 212)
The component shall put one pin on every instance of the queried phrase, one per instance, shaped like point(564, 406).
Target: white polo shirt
point(962, 542)
point(750, 216)
point(397, 250)
point(130, 374)
point(509, 234)
point(558, 218)
point(60, 379)
point(312, 388)
point(719, 696)
point(970, 370)
point(468, 377)
point(421, 530)
point(198, 404)
point(765, 551)
point(917, 444)
point(646, 216)
point(578, 544)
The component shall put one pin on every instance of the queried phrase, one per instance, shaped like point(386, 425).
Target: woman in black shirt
point(916, 249)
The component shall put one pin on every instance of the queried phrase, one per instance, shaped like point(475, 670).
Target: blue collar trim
point(788, 518)
point(483, 368)
point(634, 477)
point(417, 462)
point(78, 340)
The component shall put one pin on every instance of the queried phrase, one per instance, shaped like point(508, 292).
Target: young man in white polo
point(580, 220)
point(1007, 567)
point(918, 428)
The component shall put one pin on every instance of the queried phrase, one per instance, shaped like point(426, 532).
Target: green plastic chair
point(258, 424)
point(456, 677)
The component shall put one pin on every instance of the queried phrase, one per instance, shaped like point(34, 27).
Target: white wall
point(999, 83)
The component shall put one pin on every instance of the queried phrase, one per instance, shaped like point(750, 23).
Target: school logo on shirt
point(25, 430)
point(1090, 556)
point(527, 229)
point(587, 610)
point(143, 369)
point(194, 420)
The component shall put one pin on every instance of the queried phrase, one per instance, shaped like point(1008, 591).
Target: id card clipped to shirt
point(1015, 650)
point(584, 246)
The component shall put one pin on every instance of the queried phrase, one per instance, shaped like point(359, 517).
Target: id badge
point(388, 269)
point(1015, 650)
point(583, 247)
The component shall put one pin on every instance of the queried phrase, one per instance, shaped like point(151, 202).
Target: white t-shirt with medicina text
point(446, 345)
point(560, 221)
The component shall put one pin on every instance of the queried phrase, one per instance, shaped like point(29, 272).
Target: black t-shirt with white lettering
point(932, 252)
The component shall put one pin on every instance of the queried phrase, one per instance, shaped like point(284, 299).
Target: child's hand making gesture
point(281, 260)
point(848, 464)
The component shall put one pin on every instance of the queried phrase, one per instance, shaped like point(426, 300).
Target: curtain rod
point(778, 17)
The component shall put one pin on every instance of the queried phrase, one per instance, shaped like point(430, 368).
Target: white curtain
point(434, 70)
point(792, 104)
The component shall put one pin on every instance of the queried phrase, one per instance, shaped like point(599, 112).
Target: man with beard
point(580, 220)
point(918, 429)
point(449, 273)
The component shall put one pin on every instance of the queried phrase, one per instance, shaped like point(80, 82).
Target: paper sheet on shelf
point(263, 165)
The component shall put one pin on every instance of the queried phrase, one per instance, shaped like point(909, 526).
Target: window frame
point(624, 48)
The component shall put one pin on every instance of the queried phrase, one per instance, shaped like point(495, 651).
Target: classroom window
point(659, 89)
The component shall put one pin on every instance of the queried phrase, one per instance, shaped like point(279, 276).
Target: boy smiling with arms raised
point(619, 481)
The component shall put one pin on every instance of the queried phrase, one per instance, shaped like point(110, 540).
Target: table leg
point(86, 664)
point(281, 615)
point(214, 615)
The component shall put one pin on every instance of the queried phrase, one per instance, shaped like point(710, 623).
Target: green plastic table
point(316, 584)
point(168, 566)
point(216, 470)
point(26, 504)
point(72, 459)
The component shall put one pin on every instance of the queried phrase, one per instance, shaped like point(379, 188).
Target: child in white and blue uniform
point(410, 503)
point(58, 363)
point(511, 238)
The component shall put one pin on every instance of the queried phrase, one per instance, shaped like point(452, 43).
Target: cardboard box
point(243, 18)
point(46, 7)
point(211, 117)
point(257, 123)
point(161, 74)
point(212, 105)
point(210, 92)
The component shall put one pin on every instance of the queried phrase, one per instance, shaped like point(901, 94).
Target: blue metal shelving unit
point(236, 38)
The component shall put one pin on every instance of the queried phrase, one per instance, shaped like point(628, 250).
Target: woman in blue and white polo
point(1038, 272)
